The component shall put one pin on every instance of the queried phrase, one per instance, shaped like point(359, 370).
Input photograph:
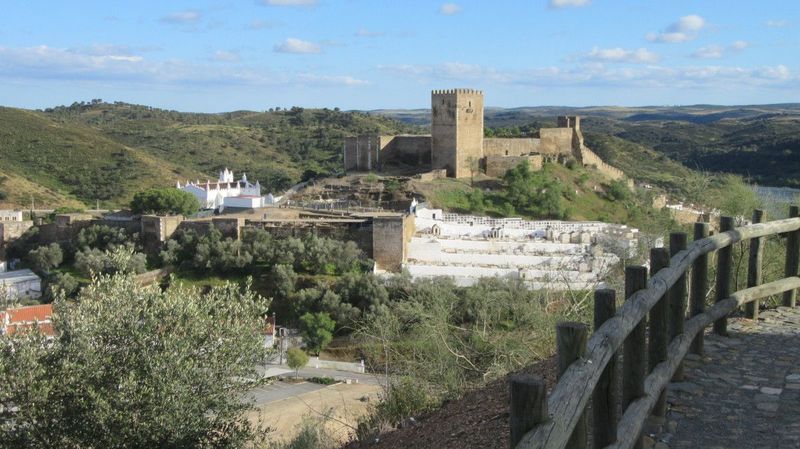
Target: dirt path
point(342, 401)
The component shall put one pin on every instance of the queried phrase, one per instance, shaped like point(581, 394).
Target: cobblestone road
point(745, 391)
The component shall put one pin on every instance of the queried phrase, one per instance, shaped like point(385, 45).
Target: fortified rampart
point(457, 144)
point(497, 166)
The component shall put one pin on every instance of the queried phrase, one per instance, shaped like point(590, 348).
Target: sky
point(218, 55)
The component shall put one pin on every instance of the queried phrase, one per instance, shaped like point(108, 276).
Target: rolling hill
point(91, 152)
point(101, 152)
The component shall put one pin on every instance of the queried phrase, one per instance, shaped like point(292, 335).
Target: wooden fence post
point(571, 340)
point(677, 297)
point(792, 258)
point(723, 284)
point(528, 405)
point(605, 398)
point(699, 285)
point(755, 260)
point(633, 352)
point(659, 258)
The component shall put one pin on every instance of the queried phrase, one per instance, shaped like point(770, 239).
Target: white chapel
point(225, 192)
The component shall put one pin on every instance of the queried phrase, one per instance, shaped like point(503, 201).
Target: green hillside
point(107, 152)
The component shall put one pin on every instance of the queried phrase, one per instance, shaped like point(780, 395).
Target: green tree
point(61, 284)
point(136, 367)
point(102, 237)
point(296, 358)
point(534, 193)
point(45, 258)
point(122, 259)
point(164, 201)
point(317, 331)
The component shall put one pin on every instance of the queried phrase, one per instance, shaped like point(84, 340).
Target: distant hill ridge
point(101, 152)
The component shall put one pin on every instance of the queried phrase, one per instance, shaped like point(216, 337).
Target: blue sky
point(367, 54)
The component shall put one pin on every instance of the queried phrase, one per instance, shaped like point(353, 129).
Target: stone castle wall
point(590, 158)
point(456, 130)
point(499, 146)
point(10, 230)
point(371, 151)
point(390, 237)
point(497, 166)
point(556, 141)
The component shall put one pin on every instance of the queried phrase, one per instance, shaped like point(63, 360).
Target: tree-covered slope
point(107, 152)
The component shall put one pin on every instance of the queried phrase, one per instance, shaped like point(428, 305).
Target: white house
point(20, 284)
point(212, 195)
point(10, 215)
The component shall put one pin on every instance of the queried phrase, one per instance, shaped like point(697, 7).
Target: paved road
point(745, 393)
point(284, 390)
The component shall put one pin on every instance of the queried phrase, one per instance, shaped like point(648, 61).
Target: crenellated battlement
point(456, 91)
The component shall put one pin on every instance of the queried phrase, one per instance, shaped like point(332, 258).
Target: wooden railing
point(587, 369)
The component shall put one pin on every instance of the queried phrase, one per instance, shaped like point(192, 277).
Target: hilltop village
point(410, 235)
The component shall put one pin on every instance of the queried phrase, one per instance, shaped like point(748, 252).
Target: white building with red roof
point(16, 320)
point(225, 192)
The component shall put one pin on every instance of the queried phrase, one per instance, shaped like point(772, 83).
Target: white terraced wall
point(545, 254)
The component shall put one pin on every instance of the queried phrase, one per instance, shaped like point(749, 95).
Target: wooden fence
point(587, 369)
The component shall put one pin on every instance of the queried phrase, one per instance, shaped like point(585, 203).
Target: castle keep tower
point(456, 130)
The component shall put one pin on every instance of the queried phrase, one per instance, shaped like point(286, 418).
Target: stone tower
point(456, 130)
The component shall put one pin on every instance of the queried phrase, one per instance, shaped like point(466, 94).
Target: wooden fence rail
point(664, 293)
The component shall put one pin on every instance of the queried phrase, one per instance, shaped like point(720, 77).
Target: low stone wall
point(432, 175)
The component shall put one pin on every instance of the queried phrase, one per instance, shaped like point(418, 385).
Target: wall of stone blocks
point(456, 130)
point(497, 166)
point(556, 141)
point(10, 230)
point(590, 158)
point(410, 150)
point(498, 146)
point(389, 245)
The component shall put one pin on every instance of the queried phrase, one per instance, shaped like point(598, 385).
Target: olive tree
point(133, 366)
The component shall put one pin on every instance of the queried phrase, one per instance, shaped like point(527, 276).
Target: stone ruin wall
point(10, 230)
point(556, 141)
point(497, 166)
point(372, 152)
point(500, 146)
point(590, 158)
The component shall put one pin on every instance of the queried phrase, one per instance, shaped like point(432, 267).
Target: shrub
point(165, 201)
point(322, 380)
point(45, 258)
point(296, 358)
point(317, 331)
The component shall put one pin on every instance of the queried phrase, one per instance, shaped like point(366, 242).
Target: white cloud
point(290, 2)
point(449, 9)
point(739, 45)
point(709, 52)
point(683, 30)
point(718, 51)
point(330, 80)
point(600, 75)
point(226, 56)
point(777, 23)
point(364, 32)
point(187, 17)
point(558, 4)
point(297, 46)
point(638, 56)
point(50, 63)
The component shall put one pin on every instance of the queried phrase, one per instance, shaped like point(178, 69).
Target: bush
point(322, 380)
point(122, 259)
point(157, 366)
point(296, 358)
point(618, 191)
point(165, 201)
point(45, 258)
point(61, 284)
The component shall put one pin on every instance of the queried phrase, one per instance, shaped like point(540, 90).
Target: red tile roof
point(21, 319)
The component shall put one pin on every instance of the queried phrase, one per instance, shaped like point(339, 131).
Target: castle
point(457, 143)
